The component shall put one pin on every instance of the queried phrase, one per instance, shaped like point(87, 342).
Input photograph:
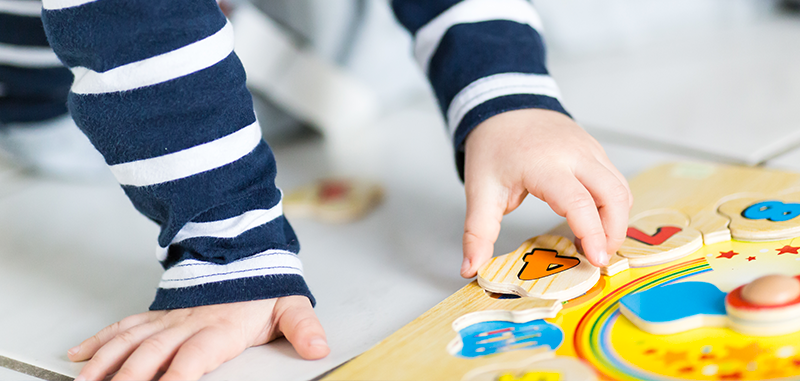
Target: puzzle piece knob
point(771, 290)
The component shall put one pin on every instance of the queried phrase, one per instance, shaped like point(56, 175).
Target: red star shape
point(650, 351)
point(686, 369)
point(731, 376)
point(796, 362)
point(788, 249)
point(751, 259)
point(728, 254)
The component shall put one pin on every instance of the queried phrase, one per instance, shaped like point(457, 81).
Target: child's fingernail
point(465, 266)
point(74, 351)
point(318, 342)
point(604, 258)
point(80, 378)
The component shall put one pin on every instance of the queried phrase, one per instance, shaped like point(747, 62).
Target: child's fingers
point(202, 353)
point(569, 198)
point(113, 353)
point(88, 347)
point(481, 226)
point(153, 353)
point(612, 201)
point(603, 159)
point(300, 325)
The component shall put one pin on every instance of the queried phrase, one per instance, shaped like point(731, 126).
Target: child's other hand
point(546, 154)
point(187, 343)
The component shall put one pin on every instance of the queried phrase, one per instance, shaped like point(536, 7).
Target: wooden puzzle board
point(594, 332)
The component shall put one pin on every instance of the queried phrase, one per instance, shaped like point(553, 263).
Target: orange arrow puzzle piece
point(541, 263)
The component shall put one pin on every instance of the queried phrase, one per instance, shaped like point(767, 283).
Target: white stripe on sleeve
point(495, 86)
point(428, 37)
point(52, 5)
point(227, 228)
point(21, 7)
point(158, 69)
point(28, 56)
point(191, 161)
point(191, 272)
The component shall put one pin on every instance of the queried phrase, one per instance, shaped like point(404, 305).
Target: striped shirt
point(160, 93)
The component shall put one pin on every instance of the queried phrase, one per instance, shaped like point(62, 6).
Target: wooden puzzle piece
point(333, 200)
point(767, 306)
point(555, 369)
point(763, 218)
point(616, 265)
point(712, 226)
point(492, 337)
point(659, 236)
point(504, 324)
point(545, 267)
point(520, 310)
point(675, 308)
point(540, 263)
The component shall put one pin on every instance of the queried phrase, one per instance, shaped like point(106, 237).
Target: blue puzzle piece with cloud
point(675, 307)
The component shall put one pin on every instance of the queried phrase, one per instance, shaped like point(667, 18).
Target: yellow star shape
point(745, 354)
point(671, 357)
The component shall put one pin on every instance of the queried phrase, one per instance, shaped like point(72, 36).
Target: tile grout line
point(625, 139)
point(789, 149)
point(31, 370)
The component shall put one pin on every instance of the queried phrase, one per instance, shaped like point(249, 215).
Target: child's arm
point(485, 59)
point(160, 93)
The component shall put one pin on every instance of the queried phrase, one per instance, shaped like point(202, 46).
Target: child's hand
point(546, 154)
point(187, 343)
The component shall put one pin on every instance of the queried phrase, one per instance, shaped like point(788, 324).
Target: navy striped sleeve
point(482, 57)
point(33, 82)
point(160, 93)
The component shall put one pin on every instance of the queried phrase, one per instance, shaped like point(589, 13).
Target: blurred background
point(669, 75)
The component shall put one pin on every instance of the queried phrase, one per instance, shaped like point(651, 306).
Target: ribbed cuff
point(231, 291)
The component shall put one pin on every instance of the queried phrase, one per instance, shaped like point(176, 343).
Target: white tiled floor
point(11, 178)
point(789, 161)
point(732, 94)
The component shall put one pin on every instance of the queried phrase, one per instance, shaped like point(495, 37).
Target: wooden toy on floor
point(333, 200)
point(720, 288)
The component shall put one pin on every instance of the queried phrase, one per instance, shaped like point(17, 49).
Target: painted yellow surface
point(593, 329)
point(531, 376)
